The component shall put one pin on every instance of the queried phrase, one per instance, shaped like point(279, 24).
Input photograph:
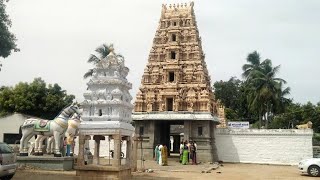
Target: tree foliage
point(102, 52)
point(7, 39)
point(265, 91)
point(260, 97)
point(36, 99)
point(232, 95)
point(296, 114)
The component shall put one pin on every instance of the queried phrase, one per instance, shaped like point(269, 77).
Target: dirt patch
point(175, 171)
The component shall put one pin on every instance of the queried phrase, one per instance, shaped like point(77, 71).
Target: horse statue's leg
point(53, 143)
point(23, 145)
point(40, 144)
point(57, 139)
point(26, 136)
point(36, 145)
point(50, 145)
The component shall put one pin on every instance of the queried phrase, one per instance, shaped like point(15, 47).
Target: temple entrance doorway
point(169, 133)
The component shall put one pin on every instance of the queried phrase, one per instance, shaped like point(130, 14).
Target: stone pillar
point(96, 156)
point(96, 152)
point(117, 150)
point(134, 155)
point(187, 130)
point(128, 151)
point(80, 160)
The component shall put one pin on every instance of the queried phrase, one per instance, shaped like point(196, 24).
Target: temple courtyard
point(175, 171)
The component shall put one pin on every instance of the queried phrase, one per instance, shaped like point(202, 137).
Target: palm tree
point(249, 70)
point(254, 64)
point(102, 51)
point(264, 89)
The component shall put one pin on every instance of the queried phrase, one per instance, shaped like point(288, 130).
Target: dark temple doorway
point(169, 133)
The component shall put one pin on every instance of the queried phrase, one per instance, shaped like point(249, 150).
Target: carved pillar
point(117, 150)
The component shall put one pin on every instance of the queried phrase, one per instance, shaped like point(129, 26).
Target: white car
point(310, 166)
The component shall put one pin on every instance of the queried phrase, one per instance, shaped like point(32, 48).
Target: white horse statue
point(56, 128)
point(71, 132)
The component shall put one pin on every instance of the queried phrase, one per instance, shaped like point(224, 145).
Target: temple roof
point(136, 116)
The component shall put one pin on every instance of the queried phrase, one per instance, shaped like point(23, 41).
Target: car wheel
point(314, 170)
point(7, 177)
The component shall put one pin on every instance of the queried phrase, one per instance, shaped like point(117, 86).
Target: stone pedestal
point(47, 162)
point(119, 167)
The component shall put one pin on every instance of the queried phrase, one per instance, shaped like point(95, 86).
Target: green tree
point(253, 65)
point(7, 39)
point(264, 90)
point(232, 95)
point(34, 99)
point(228, 92)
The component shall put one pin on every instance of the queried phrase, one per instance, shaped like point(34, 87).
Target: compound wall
point(265, 146)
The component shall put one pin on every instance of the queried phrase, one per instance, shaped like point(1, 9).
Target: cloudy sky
point(56, 38)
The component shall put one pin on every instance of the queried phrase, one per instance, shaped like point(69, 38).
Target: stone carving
point(108, 90)
point(54, 128)
point(187, 79)
point(308, 125)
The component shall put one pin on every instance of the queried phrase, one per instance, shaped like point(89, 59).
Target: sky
point(56, 38)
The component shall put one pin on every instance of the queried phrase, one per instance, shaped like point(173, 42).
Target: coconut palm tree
point(102, 52)
point(265, 93)
point(253, 60)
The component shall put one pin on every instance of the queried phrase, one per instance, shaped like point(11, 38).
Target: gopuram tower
point(175, 88)
point(106, 115)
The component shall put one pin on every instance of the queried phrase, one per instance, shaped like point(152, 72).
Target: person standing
point(185, 154)
point(69, 143)
point(156, 153)
point(193, 155)
point(181, 151)
point(64, 146)
point(164, 155)
point(160, 155)
point(188, 145)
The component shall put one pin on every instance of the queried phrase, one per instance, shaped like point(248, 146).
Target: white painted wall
point(265, 146)
point(11, 124)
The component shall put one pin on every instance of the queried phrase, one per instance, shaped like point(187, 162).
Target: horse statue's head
point(70, 110)
point(75, 107)
point(73, 125)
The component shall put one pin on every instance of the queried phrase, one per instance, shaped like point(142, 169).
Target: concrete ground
point(175, 171)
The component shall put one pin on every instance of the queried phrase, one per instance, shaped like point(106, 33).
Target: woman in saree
point(164, 155)
point(185, 154)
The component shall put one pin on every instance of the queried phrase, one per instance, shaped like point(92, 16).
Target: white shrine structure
point(107, 115)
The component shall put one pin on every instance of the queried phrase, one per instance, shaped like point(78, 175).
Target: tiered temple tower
point(107, 112)
point(175, 87)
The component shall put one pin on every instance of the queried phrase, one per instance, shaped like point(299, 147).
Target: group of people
point(161, 154)
point(188, 150)
point(68, 146)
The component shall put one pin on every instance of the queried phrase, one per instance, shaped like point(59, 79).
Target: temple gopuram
point(175, 89)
